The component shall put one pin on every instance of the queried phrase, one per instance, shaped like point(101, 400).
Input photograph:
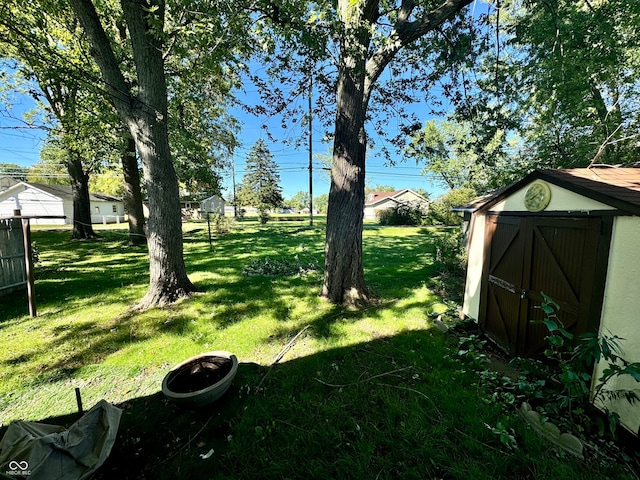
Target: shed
point(574, 235)
point(379, 201)
point(34, 199)
point(213, 204)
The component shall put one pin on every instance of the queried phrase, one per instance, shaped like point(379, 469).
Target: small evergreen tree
point(261, 184)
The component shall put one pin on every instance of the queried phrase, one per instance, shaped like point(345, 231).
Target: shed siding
point(620, 309)
point(475, 261)
point(562, 200)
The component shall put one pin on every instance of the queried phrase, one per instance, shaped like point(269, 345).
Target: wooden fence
point(13, 274)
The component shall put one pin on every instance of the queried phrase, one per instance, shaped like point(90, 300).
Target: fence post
point(28, 262)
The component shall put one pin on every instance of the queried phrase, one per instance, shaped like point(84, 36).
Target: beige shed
point(572, 234)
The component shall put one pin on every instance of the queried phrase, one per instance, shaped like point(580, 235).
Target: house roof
point(6, 182)
point(63, 192)
point(376, 197)
point(617, 187)
point(213, 197)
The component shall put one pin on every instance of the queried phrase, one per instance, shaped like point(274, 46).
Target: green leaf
point(552, 325)
point(556, 340)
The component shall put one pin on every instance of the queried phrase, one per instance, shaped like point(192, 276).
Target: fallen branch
point(414, 391)
point(363, 381)
point(283, 352)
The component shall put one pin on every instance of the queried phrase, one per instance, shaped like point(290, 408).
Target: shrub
point(264, 216)
point(402, 214)
point(440, 210)
point(450, 253)
point(220, 223)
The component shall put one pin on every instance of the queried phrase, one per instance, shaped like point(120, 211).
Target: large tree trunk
point(82, 228)
point(344, 273)
point(133, 194)
point(168, 278)
point(358, 71)
point(145, 114)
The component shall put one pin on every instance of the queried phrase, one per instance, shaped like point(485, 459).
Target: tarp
point(48, 452)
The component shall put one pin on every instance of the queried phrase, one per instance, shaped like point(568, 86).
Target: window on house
point(114, 209)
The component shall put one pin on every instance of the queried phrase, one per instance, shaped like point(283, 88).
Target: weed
point(576, 364)
point(506, 435)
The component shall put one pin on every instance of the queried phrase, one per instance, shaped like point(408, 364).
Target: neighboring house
point(378, 201)
point(213, 204)
point(39, 200)
point(6, 182)
point(574, 235)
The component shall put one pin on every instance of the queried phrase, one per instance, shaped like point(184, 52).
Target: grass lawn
point(373, 394)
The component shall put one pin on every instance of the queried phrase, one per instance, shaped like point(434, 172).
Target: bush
point(440, 210)
point(264, 216)
point(402, 214)
point(220, 223)
point(450, 253)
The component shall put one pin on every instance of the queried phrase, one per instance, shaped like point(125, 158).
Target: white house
point(574, 235)
point(379, 201)
point(39, 200)
point(213, 204)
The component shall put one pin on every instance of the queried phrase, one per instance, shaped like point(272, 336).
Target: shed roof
point(617, 187)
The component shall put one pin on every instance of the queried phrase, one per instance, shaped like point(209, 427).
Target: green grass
point(377, 393)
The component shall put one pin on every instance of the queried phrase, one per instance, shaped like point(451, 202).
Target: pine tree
point(261, 184)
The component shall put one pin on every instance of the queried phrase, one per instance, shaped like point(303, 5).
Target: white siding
point(33, 202)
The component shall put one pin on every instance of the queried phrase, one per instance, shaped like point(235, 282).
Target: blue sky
point(294, 162)
point(21, 145)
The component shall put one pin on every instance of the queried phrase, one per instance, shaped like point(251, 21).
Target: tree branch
point(406, 32)
point(103, 53)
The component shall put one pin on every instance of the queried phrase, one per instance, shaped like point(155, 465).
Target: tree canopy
point(562, 78)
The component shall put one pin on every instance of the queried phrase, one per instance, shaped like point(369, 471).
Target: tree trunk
point(344, 273)
point(168, 278)
point(82, 228)
point(145, 114)
point(133, 194)
point(358, 71)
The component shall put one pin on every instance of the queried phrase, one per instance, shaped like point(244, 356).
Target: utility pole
point(233, 176)
point(310, 151)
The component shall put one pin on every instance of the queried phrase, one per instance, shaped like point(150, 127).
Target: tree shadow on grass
point(396, 407)
point(265, 413)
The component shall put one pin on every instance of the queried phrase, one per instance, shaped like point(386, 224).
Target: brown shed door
point(528, 255)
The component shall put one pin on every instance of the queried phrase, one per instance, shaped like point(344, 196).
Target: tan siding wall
point(620, 309)
point(562, 200)
point(471, 306)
